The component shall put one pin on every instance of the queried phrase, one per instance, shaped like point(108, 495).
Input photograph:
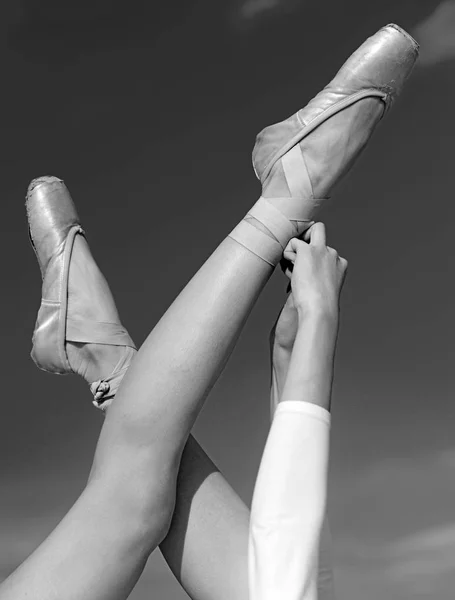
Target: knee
point(154, 505)
point(141, 503)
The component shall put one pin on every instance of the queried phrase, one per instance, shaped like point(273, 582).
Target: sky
point(149, 114)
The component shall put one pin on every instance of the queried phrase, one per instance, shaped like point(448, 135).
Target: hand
point(318, 272)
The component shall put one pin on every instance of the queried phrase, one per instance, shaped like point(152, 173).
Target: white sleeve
point(289, 504)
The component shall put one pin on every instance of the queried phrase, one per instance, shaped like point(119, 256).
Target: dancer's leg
point(207, 543)
point(289, 498)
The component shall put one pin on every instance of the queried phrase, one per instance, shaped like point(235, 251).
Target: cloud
point(436, 35)
point(395, 535)
point(406, 494)
point(252, 9)
point(421, 564)
point(424, 563)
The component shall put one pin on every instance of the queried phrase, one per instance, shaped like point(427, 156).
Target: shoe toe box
point(384, 61)
point(51, 213)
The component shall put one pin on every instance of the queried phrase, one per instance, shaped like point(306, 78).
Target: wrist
point(325, 311)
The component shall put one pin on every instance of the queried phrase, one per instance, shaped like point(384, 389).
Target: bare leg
point(207, 543)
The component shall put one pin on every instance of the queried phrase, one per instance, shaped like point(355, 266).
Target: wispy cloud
point(424, 563)
point(436, 35)
point(252, 9)
point(397, 530)
point(418, 565)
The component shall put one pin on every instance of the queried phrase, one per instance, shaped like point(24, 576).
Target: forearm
point(289, 505)
point(310, 372)
point(281, 351)
point(280, 359)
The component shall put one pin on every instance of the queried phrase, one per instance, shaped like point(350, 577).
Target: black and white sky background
point(149, 112)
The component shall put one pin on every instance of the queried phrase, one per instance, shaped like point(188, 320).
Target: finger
point(293, 244)
point(306, 237)
point(317, 235)
point(290, 252)
point(306, 234)
point(289, 257)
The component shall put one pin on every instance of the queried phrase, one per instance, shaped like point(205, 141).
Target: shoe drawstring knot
point(99, 389)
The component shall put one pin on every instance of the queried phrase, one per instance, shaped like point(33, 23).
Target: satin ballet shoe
point(53, 227)
point(284, 151)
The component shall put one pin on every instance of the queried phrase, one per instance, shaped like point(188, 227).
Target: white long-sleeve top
point(288, 508)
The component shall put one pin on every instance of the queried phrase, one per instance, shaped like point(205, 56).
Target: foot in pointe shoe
point(78, 329)
point(299, 160)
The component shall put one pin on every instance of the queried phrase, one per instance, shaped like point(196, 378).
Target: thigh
point(207, 544)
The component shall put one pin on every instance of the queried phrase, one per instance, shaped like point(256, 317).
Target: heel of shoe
point(270, 141)
point(47, 352)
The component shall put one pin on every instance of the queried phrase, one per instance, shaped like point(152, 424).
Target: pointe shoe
point(284, 152)
point(53, 227)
